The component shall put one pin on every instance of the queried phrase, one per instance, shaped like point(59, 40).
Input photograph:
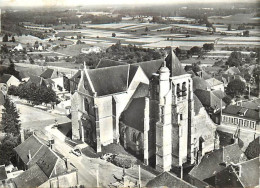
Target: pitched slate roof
point(199, 83)
point(220, 94)
point(150, 67)
point(197, 104)
point(234, 110)
point(133, 116)
point(166, 179)
point(213, 82)
point(109, 80)
point(229, 177)
point(174, 65)
point(5, 78)
point(142, 90)
point(208, 99)
point(254, 104)
point(3, 174)
point(109, 63)
point(213, 162)
point(48, 73)
point(2, 98)
point(203, 74)
point(232, 71)
point(39, 81)
point(33, 177)
point(32, 144)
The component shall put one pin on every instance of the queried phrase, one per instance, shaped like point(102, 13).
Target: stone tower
point(182, 107)
point(164, 125)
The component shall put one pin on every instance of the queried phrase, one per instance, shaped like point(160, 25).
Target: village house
point(241, 117)
point(9, 80)
point(147, 107)
point(43, 166)
point(215, 84)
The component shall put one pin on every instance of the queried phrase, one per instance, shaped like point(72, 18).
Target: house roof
point(36, 80)
point(32, 144)
point(213, 162)
point(229, 177)
point(203, 74)
point(234, 110)
point(5, 78)
point(109, 63)
point(208, 99)
point(142, 90)
point(48, 73)
point(219, 93)
point(109, 80)
point(3, 174)
point(33, 177)
point(133, 116)
point(232, 71)
point(174, 65)
point(199, 83)
point(254, 104)
point(2, 98)
point(213, 82)
point(166, 179)
point(197, 104)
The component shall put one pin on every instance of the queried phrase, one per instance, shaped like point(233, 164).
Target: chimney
point(29, 155)
point(22, 135)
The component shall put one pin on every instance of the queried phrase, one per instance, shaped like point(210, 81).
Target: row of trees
point(10, 125)
point(33, 93)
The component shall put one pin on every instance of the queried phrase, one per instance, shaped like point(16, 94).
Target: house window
point(232, 120)
point(236, 121)
point(181, 117)
point(252, 126)
point(240, 122)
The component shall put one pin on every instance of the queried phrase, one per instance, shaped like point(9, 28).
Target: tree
point(146, 29)
point(5, 38)
point(195, 50)
point(208, 46)
point(10, 119)
point(13, 39)
point(6, 148)
point(236, 87)
point(246, 33)
point(113, 35)
point(235, 59)
point(229, 27)
point(253, 149)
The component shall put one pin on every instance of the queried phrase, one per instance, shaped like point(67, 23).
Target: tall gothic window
point(86, 105)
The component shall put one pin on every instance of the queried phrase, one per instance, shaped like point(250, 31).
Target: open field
point(234, 19)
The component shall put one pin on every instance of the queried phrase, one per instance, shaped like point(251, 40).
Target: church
point(148, 107)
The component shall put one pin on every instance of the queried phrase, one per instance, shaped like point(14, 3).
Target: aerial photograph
point(130, 93)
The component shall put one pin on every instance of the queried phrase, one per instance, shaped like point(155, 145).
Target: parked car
point(76, 152)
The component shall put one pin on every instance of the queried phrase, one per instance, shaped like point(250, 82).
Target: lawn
point(73, 50)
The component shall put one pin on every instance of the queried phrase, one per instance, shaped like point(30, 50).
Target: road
point(88, 167)
point(246, 136)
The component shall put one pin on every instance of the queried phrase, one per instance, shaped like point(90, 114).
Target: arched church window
point(178, 90)
point(184, 89)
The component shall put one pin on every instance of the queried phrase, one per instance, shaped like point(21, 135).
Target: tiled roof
point(166, 179)
point(234, 110)
point(174, 65)
point(5, 78)
point(199, 83)
point(2, 98)
point(220, 94)
point(197, 104)
point(48, 73)
point(32, 144)
point(208, 99)
point(109, 63)
point(213, 162)
point(3, 174)
point(229, 177)
point(109, 80)
point(133, 116)
point(232, 71)
point(213, 82)
point(33, 177)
